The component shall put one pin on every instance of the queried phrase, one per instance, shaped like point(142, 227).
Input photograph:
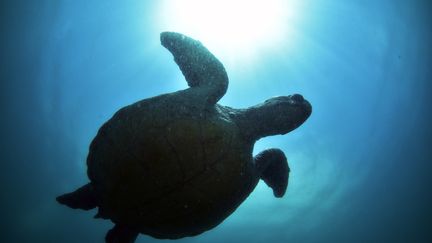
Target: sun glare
point(232, 28)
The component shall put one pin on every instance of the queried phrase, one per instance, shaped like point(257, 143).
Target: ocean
point(360, 165)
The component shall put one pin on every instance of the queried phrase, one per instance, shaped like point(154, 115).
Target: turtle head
point(286, 113)
point(278, 115)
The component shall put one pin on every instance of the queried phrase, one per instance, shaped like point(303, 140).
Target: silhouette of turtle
point(178, 164)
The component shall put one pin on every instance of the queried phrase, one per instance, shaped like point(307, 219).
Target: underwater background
point(360, 165)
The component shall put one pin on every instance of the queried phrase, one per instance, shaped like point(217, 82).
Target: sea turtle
point(178, 164)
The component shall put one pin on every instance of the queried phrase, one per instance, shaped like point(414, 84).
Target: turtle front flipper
point(121, 234)
point(200, 67)
point(272, 166)
point(82, 198)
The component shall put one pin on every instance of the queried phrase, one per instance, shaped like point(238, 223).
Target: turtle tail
point(83, 198)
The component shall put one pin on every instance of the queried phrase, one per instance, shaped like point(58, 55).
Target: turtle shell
point(169, 167)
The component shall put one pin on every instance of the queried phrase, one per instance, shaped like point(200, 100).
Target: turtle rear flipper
point(273, 168)
point(121, 234)
point(82, 198)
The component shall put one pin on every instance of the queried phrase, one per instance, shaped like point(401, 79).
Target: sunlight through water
point(236, 30)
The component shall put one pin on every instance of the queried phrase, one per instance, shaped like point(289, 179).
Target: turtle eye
point(297, 97)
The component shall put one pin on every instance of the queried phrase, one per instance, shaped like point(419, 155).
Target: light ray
point(233, 29)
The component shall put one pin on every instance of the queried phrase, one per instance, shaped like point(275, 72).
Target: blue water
point(361, 165)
